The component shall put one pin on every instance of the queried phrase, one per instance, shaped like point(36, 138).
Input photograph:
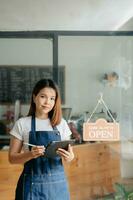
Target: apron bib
point(43, 178)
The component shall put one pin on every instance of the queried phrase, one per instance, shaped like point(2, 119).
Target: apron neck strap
point(33, 124)
point(32, 136)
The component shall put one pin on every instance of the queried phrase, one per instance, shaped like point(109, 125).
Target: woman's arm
point(16, 156)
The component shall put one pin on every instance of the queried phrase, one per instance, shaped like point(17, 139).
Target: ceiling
point(66, 15)
point(128, 25)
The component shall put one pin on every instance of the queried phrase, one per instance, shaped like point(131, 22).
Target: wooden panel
point(8, 177)
point(94, 170)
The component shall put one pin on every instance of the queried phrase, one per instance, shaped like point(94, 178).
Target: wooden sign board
point(101, 130)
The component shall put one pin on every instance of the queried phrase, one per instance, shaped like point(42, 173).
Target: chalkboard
point(17, 82)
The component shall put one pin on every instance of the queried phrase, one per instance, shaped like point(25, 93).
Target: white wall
point(86, 60)
point(26, 52)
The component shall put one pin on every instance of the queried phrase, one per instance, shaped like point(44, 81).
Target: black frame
point(54, 35)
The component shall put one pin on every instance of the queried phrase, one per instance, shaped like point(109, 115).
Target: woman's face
point(44, 101)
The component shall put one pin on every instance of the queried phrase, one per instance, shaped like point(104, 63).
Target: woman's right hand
point(18, 156)
point(37, 151)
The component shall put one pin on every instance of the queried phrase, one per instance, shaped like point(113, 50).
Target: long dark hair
point(56, 113)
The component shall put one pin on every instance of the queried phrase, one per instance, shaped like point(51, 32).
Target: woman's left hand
point(67, 155)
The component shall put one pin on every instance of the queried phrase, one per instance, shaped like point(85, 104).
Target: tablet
point(52, 147)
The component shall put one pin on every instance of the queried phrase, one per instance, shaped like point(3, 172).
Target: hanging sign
point(101, 130)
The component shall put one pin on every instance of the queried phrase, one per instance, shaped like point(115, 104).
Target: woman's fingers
point(67, 155)
point(37, 151)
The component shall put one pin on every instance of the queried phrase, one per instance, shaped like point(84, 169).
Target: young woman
point(42, 178)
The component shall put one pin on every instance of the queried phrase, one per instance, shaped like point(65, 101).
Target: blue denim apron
point(43, 178)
